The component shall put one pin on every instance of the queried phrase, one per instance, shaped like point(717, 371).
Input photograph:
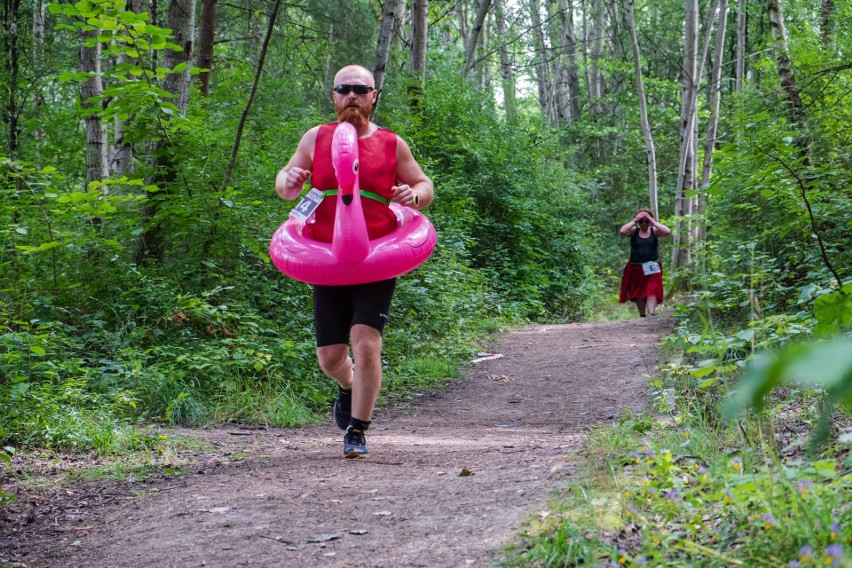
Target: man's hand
point(290, 181)
point(404, 195)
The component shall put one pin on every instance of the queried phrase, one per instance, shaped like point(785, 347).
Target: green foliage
point(825, 365)
point(673, 496)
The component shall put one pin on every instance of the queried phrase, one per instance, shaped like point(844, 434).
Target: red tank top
point(377, 173)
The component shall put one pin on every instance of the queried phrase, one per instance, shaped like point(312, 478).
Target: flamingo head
point(344, 157)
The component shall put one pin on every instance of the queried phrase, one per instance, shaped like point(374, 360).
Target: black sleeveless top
point(644, 250)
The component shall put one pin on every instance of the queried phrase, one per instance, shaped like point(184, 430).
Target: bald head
point(354, 75)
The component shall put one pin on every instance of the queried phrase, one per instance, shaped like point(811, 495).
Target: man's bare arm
point(414, 185)
point(292, 177)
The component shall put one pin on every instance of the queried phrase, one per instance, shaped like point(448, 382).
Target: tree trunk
point(244, 116)
point(595, 77)
point(783, 62)
point(181, 22)
point(206, 37)
point(787, 77)
point(38, 60)
point(826, 26)
point(151, 244)
point(419, 29)
point(97, 152)
point(121, 162)
point(713, 99)
point(12, 67)
point(473, 40)
point(741, 45)
point(689, 78)
point(688, 166)
point(461, 13)
point(391, 16)
point(541, 65)
point(568, 72)
point(507, 76)
point(650, 151)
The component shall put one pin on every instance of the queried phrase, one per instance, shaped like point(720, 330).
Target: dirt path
point(290, 500)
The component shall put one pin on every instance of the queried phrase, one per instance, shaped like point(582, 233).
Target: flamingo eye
point(355, 166)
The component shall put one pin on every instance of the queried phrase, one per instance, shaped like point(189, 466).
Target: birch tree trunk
point(391, 16)
point(507, 76)
point(688, 167)
point(685, 175)
point(541, 65)
point(713, 99)
point(595, 78)
point(206, 37)
point(475, 33)
point(650, 151)
point(567, 79)
point(482, 60)
point(97, 151)
point(181, 22)
point(741, 45)
point(121, 161)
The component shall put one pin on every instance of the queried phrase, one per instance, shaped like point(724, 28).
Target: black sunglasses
point(644, 222)
point(345, 89)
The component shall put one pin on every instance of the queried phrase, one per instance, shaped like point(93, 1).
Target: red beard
point(357, 115)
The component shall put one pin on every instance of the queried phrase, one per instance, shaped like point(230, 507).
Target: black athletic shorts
point(338, 308)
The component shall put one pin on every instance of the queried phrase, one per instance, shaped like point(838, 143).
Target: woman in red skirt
point(642, 281)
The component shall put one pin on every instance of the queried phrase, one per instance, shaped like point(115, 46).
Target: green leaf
point(704, 368)
point(37, 350)
point(833, 312)
point(746, 334)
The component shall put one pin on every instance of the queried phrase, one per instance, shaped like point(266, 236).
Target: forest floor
point(448, 482)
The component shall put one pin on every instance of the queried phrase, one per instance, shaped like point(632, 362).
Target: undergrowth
point(698, 480)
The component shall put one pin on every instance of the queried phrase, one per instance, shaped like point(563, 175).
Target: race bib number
point(307, 205)
point(649, 268)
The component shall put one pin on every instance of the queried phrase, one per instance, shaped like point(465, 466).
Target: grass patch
point(684, 491)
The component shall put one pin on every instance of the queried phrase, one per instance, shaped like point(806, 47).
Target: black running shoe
point(343, 409)
point(354, 443)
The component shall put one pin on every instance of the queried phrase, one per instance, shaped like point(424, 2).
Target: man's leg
point(335, 362)
point(367, 350)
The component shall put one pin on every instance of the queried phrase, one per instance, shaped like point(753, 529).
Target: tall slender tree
point(261, 59)
point(11, 9)
point(541, 59)
point(419, 35)
point(650, 150)
point(206, 38)
point(741, 45)
point(713, 101)
point(476, 32)
point(151, 245)
point(391, 18)
point(507, 76)
point(97, 151)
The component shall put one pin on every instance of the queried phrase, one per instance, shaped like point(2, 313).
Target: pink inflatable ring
point(351, 258)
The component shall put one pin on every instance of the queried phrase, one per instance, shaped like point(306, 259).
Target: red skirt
point(635, 285)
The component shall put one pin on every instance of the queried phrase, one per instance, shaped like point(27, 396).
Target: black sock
point(342, 390)
point(359, 425)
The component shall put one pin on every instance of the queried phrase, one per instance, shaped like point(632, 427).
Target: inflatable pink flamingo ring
point(351, 258)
